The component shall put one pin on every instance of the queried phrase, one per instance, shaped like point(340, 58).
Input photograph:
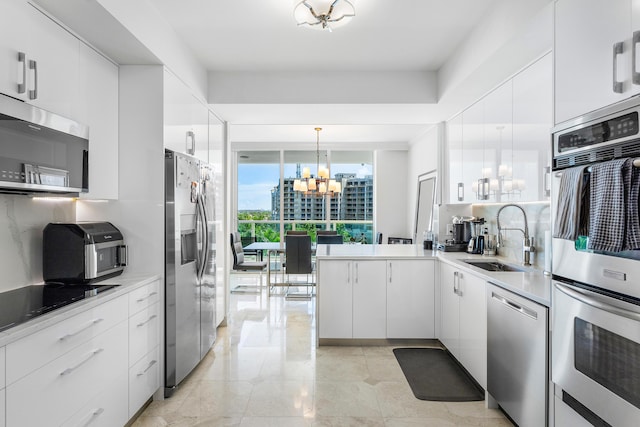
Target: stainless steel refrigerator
point(190, 269)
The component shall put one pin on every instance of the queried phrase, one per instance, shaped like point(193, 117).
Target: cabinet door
point(457, 186)
point(13, 39)
point(473, 152)
point(335, 299)
point(200, 127)
point(532, 120)
point(98, 108)
point(473, 327)
point(410, 299)
point(498, 147)
point(449, 308)
point(585, 34)
point(178, 111)
point(369, 299)
point(56, 53)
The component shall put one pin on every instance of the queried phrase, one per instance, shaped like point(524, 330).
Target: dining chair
point(298, 261)
point(296, 233)
point(399, 241)
point(326, 233)
point(329, 239)
point(239, 264)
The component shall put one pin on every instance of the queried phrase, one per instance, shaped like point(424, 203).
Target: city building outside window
point(268, 206)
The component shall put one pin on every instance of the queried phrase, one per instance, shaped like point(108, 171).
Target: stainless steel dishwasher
point(517, 362)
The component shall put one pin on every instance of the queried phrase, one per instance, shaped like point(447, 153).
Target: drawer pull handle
point(148, 296)
point(22, 87)
point(147, 321)
point(70, 370)
point(153, 362)
point(95, 414)
point(93, 322)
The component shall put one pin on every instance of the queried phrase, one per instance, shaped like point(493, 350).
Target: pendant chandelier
point(323, 14)
point(320, 184)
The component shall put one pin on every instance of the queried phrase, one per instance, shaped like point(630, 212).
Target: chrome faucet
point(527, 243)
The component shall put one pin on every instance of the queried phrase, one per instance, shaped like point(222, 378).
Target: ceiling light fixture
point(323, 14)
point(320, 184)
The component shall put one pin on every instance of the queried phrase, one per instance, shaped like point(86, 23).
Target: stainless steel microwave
point(41, 152)
point(83, 252)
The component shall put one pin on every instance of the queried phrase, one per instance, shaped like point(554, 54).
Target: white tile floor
point(265, 370)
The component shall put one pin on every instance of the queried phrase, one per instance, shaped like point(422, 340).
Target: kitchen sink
point(493, 266)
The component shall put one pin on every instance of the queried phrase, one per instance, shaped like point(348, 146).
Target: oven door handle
point(597, 301)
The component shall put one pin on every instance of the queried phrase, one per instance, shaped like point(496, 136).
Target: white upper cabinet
point(98, 108)
point(594, 54)
point(186, 119)
point(498, 148)
point(48, 71)
point(532, 122)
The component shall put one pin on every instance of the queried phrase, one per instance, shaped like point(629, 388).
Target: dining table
point(273, 248)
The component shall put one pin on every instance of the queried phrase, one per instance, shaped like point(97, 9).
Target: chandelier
point(320, 184)
point(318, 14)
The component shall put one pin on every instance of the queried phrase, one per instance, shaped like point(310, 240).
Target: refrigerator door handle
point(202, 252)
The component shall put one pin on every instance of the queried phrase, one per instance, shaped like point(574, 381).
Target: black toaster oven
point(83, 252)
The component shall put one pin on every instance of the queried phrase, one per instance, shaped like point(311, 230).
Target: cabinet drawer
point(143, 332)
point(30, 353)
point(65, 385)
point(2, 367)
point(109, 408)
point(2, 409)
point(144, 380)
point(144, 297)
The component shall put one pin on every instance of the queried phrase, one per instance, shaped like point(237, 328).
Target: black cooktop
point(23, 304)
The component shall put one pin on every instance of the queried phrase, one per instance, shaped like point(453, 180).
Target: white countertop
point(531, 284)
point(366, 251)
point(126, 284)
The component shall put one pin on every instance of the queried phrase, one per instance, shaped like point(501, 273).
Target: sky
point(255, 181)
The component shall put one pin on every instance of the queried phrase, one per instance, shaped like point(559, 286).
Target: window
point(268, 204)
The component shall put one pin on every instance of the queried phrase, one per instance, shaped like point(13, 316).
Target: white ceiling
point(262, 35)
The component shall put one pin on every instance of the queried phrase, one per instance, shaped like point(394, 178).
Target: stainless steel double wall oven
point(596, 294)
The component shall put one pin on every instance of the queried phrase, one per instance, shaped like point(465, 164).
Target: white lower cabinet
point(464, 319)
point(376, 299)
point(97, 367)
point(2, 408)
point(107, 409)
point(67, 383)
point(144, 380)
point(410, 299)
point(369, 299)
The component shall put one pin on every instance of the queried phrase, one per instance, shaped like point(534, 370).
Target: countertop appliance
point(41, 152)
point(476, 241)
point(23, 304)
point(82, 252)
point(595, 348)
point(517, 363)
point(190, 269)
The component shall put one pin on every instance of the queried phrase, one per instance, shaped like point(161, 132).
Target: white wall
point(144, 21)
point(390, 187)
point(22, 220)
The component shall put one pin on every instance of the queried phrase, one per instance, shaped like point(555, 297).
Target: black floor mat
point(433, 374)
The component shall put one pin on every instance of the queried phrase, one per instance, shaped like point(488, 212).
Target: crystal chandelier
point(323, 14)
point(320, 184)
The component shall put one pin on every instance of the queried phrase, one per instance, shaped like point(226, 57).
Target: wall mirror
point(425, 201)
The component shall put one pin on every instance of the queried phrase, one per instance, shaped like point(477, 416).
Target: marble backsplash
point(538, 218)
point(22, 220)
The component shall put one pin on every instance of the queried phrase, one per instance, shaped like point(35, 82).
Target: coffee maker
point(476, 242)
point(461, 235)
